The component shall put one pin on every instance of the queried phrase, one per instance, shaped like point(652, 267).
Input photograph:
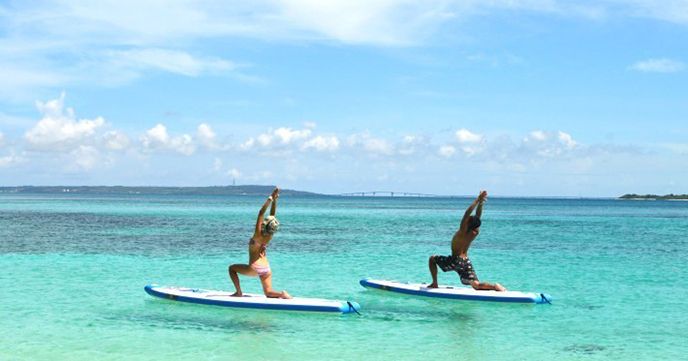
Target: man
point(458, 261)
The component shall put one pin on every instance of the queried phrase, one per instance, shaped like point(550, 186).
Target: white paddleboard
point(457, 293)
point(223, 298)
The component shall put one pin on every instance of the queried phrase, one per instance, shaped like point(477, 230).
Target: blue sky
point(522, 98)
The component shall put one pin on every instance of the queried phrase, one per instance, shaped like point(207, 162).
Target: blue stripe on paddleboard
point(539, 298)
point(344, 307)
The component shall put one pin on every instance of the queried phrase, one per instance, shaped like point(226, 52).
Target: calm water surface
point(74, 268)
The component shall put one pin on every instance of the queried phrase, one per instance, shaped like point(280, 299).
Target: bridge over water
point(386, 194)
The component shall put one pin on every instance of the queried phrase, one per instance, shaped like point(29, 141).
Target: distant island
point(246, 190)
point(654, 196)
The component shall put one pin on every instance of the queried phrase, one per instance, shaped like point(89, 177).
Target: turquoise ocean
point(74, 268)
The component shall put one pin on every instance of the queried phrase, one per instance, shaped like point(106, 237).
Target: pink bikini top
point(263, 246)
point(252, 242)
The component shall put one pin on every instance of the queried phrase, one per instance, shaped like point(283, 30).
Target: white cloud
point(322, 144)
point(183, 144)
point(173, 61)
point(470, 150)
point(410, 139)
point(446, 151)
point(62, 43)
point(112, 43)
point(537, 135)
point(541, 137)
point(370, 22)
point(658, 66)
point(372, 145)
point(466, 136)
point(410, 144)
point(10, 160)
point(206, 136)
point(280, 138)
point(115, 140)
point(82, 138)
point(287, 135)
point(157, 138)
point(381, 146)
point(376, 22)
point(541, 144)
point(58, 130)
point(2, 139)
point(541, 154)
point(248, 144)
point(265, 139)
point(675, 11)
point(234, 173)
point(470, 143)
point(566, 139)
point(85, 157)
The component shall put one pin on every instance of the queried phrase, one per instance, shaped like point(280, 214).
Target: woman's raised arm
point(261, 214)
point(275, 195)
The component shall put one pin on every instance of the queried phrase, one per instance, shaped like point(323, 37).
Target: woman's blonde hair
point(270, 225)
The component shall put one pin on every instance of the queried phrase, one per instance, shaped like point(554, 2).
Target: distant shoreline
point(651, 197)
point(261, 190)
point(245, 190)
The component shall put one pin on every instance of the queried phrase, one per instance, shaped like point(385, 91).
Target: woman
point(257, 261)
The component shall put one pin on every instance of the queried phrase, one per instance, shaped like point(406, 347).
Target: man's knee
point(475, 284)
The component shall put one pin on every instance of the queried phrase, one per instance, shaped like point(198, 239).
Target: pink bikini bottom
point(261, 270)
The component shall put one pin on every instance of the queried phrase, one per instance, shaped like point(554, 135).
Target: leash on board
point(544, 298)
point(351, 307)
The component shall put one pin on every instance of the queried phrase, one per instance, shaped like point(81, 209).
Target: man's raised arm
point(478, 202)
point(481, 199)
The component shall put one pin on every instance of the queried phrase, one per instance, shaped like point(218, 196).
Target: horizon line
point(401, 194)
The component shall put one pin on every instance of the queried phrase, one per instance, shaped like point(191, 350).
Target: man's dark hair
point(473, 223)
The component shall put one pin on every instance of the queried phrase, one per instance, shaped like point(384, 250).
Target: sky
point(518, 97)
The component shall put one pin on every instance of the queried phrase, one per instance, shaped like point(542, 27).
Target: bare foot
point(285, 295)
point(499, 287)
point(237, 294)
point(432, 285)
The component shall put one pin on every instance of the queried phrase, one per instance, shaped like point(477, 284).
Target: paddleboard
point(223, 298)
point(456, 293)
